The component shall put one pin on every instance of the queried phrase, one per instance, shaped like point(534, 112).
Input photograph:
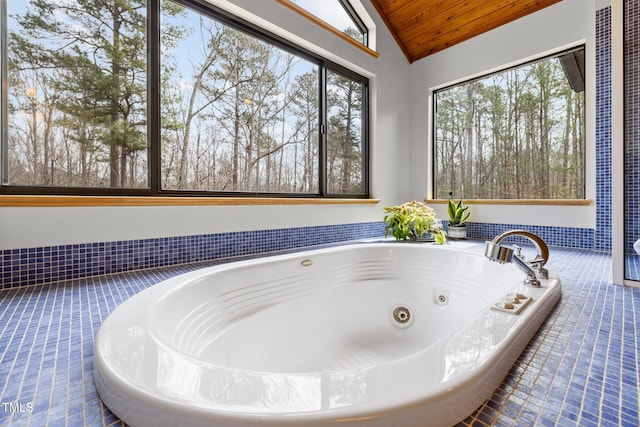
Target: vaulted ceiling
point(424, 27)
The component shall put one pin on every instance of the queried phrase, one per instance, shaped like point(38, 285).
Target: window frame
point(584, 200)
point(357, 21)
point(330, 28)
point(154, 148)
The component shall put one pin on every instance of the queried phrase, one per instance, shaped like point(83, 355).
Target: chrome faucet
point(535, 268)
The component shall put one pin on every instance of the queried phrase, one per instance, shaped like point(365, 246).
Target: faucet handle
point(537, 265)
point(517, 250)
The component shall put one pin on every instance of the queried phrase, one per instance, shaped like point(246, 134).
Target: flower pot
point(457, 232)
point(426, 237)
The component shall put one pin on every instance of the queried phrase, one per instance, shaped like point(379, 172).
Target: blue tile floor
point(581, 369)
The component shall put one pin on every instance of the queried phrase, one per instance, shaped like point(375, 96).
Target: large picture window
point(515, 134)
point(172, 97)
point(75, 110)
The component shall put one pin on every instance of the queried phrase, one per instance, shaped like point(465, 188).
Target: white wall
point(389, 84)
point(566, 23)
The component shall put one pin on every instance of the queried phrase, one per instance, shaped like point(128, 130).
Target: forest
point(517, 134)
point(223, 111)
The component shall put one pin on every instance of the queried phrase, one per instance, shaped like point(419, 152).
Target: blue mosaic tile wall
point(602, 236)
point(30, 266)
point(632, 123)
point(578, 238)
point(19, 267)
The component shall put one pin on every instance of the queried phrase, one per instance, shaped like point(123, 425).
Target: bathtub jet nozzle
point(535, 268)
point(401, 316)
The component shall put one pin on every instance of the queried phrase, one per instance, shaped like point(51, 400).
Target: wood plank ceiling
point(424, 27)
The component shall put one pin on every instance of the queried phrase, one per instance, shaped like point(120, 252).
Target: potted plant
point(458, 216)
point(413, 221)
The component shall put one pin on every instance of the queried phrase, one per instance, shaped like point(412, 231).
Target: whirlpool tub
point(371, 334)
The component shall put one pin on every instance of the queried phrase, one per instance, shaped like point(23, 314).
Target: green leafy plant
point(458, 213)
point(412, 220)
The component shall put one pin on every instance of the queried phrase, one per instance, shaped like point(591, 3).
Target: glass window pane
point(333, 13)
point(238, 114)
point(76, 94)
point(345, 135)
point(516, 134)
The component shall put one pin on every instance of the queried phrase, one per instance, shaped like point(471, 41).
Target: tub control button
point(512, 303)
point(515, 298)
point(507, 305)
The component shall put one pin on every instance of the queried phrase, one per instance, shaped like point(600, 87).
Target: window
point(339, 14)
point(75, 110)
point(217, 107)
point(515, 134)
point(345, 132)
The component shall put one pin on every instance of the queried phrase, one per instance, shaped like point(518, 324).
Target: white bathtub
point(309, 339)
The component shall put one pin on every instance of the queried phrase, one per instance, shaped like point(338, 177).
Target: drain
point(401, 316)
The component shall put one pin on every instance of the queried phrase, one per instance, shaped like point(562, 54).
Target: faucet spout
point(534, 269)
point(541, 246)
